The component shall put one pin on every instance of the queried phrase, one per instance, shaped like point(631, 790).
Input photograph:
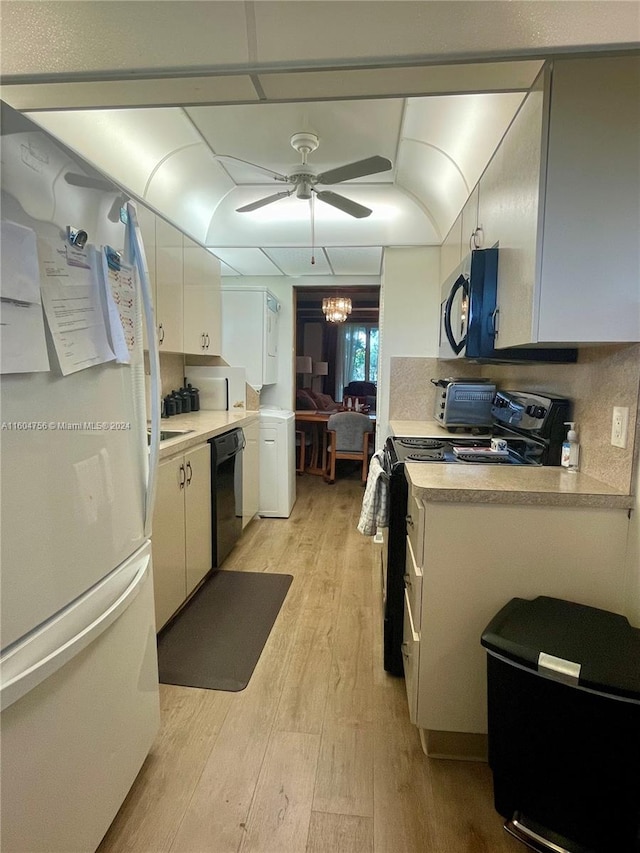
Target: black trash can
point(563, 685)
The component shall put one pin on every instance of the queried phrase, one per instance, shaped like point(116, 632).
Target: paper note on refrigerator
point(23, 346)
point(72, 304)
point(121, 298)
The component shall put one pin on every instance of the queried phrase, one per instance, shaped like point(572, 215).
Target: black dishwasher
point(226, 492)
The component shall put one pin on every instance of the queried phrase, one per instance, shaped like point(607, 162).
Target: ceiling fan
point(305, 178)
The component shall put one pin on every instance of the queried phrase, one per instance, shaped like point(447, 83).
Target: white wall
point(409, 316)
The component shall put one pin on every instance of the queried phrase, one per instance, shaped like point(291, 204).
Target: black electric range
point(461, 450)
point(533, 427)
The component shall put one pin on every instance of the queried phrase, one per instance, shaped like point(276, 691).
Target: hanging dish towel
point(375, 503)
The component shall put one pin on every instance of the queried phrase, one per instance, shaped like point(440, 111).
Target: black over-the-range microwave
point(468, 311)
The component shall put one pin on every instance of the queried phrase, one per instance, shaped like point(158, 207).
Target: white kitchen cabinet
point(460, 240)
point(169, 287)
point(251, 472)
point(471, 239)
point(561, 199)
point(475, 558)
point(250, 333)
point(451, 248)
point(181, 537)
point(202, 301)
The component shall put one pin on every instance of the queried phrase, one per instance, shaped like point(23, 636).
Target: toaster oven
point(463, 402)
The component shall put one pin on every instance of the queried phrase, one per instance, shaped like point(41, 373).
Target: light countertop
point(429, 429)
point(504, 484)
point(205, 425)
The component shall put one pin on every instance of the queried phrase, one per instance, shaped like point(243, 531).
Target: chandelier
point(336, 308)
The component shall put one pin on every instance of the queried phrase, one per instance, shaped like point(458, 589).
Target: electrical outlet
point(619, 426)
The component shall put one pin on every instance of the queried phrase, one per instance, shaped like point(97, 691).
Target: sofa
point(308, 400)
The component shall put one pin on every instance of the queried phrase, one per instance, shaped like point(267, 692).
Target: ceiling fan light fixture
point(336, 308)
point(303, 190)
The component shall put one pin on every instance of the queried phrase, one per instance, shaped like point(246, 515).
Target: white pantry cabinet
point(251, 472)
point(202, 302)
point(561, 199)
point(181, 536)
point(250, 332)
point(466, 561)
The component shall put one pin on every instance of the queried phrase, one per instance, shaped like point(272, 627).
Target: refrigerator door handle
point(140, 259)
point(42, 653)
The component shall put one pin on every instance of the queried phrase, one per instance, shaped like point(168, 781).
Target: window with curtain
point(357, 355)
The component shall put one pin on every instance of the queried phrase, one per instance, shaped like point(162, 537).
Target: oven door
point(394, 549)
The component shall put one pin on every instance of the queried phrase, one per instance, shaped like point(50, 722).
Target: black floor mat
point(216, 640)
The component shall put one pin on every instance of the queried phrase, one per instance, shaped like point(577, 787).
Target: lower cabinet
point(181, 536)
point(251, 472)
point(474, 559)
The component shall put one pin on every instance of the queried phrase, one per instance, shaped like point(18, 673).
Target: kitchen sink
point(166, 434)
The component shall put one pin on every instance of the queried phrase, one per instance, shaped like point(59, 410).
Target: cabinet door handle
point(495, 322)
point(409, 521)
point(207, 339)
point(189, 473)
point(476, 238)
point(183, 477)
point(405, 653)
point(160, 334)
point(407, 580)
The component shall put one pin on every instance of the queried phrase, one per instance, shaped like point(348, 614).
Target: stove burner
point(425, 457)
point(421, 443)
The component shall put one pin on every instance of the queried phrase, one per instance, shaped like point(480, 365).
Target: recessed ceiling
point(167, 157)
point(432, 86)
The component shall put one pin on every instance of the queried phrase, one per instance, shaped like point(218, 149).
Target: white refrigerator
point(78, 667)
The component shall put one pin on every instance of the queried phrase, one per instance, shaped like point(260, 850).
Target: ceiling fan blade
point(370, 166)
point(262, 201)
point(275, 175)
point(344, 204)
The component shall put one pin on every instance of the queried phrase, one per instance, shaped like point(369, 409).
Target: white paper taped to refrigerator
point(72, 304)
point(23, 346)
point(121, 298)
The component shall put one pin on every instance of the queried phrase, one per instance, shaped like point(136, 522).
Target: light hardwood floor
point(317, 754)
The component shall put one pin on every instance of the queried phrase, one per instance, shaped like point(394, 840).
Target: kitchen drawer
point(415, 527)
point(410, 659)
point(413, 585)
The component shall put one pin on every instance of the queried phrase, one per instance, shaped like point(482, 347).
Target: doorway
point(336, 353)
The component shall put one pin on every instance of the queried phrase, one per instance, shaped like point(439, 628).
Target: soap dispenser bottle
point(570, 448)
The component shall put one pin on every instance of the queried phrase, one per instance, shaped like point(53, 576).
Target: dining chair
point(347, 437)
point(304, 441)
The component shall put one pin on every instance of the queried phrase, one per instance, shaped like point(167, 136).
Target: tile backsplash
point(603, 377)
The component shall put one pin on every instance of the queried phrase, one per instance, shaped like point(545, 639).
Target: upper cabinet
point(250, 333)
point(169, 287)
point(185, 288)
point(202, 305)
point(462, 238)
point(509, 199)
point(561, 200)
